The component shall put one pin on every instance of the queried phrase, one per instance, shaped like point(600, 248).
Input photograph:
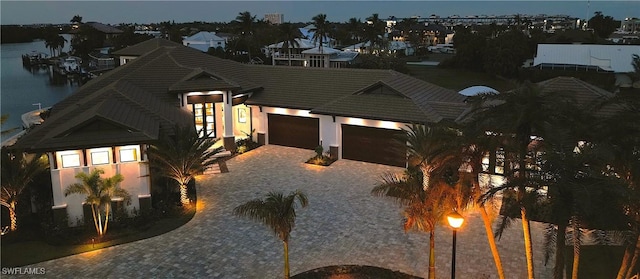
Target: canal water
point(22, 89)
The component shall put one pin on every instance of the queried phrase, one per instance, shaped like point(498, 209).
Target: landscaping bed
point(20, 251)
point(353, 272)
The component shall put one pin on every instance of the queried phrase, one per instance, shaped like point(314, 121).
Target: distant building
point(630, 24)
point(600, 58)
point(274, 18)
point(308, 54)
point(203, 40)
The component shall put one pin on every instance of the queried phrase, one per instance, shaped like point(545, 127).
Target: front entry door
point(204, 118)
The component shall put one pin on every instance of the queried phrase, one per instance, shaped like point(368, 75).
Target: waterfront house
point(110, 121)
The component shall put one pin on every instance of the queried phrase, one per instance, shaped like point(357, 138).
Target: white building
point(203, 40)
point(606, 58)
point(274, 18)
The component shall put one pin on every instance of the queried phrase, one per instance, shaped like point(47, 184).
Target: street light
point(455, 221)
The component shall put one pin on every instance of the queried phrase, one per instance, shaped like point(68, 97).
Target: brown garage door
point(373, 145)
point(294, 131)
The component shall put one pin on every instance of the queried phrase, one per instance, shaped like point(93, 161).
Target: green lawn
point(457, 79)
point(34, 251)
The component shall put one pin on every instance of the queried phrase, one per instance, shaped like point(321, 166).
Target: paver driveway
point(343, 224)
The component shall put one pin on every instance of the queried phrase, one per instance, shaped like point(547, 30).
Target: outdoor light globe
point(455, 220)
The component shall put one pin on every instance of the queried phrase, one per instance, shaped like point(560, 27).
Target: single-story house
point(605, 58)
point(110, 121)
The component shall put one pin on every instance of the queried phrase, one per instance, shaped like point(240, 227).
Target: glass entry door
point(204, 118)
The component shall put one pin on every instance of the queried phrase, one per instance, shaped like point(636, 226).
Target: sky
point(115, 12)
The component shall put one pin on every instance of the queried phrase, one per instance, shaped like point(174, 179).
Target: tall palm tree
point(355, 29)
point(18, 170)
point(374, 32)
point(183, 156)
point(321, 29)
point(520, 117)
point(474, 146)
point(278, 212)
point(617, 139)
point(99, 192)
point(440, 147)
point(58, 43)
point(290, 36)
point(423, 208)
point(246, 28)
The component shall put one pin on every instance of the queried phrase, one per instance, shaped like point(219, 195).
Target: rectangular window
point(99, 157)
point(70, 160)
point(128, 155)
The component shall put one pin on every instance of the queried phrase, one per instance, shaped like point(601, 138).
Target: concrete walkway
point(343, 224)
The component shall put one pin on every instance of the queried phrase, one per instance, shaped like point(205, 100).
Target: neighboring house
point(392, 47)
point(308, 54)
point(107, 31)
point(203, 40)
point(600, 58)
point(109, 122)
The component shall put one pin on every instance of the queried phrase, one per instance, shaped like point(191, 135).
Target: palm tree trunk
point(576, 246)
point(558, 269)
point(13, 216)
point(492, 241)
point(95, 219)
point(432, 255)
point(289, 57)
point(527, 242)
point(634, 260)
point(286, 259)
point(183, 194)
point(99, 223)
point(106, 218)
point(425, 177)
point(626, 259)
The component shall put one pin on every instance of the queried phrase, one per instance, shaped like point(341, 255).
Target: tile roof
point(136, 102)
point(107, 29)
point(145, 47)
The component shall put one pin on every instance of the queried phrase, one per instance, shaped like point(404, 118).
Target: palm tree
point(76, 19)
point(321, 28)
point(183, 156)
point(516, 117)
point(440, 147)
point(245, 26)
point(423, 209)
point(617, 139)
point(99, 194)
point(290, 37)
point(58, 43)
point(18, 170)
point(278, 212)
point(374, 32)
point(473, 148)
point(355, 29)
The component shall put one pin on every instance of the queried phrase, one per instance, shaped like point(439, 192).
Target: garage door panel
point(374, 145)
point(294, 131)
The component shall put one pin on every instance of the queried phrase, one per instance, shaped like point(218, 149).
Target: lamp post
point(455, 221)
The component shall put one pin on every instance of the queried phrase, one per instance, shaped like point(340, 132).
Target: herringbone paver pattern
point(343, 224)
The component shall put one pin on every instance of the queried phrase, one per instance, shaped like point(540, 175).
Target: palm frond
point(550, 239)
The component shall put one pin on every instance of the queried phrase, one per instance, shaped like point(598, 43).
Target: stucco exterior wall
point(136, 180)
